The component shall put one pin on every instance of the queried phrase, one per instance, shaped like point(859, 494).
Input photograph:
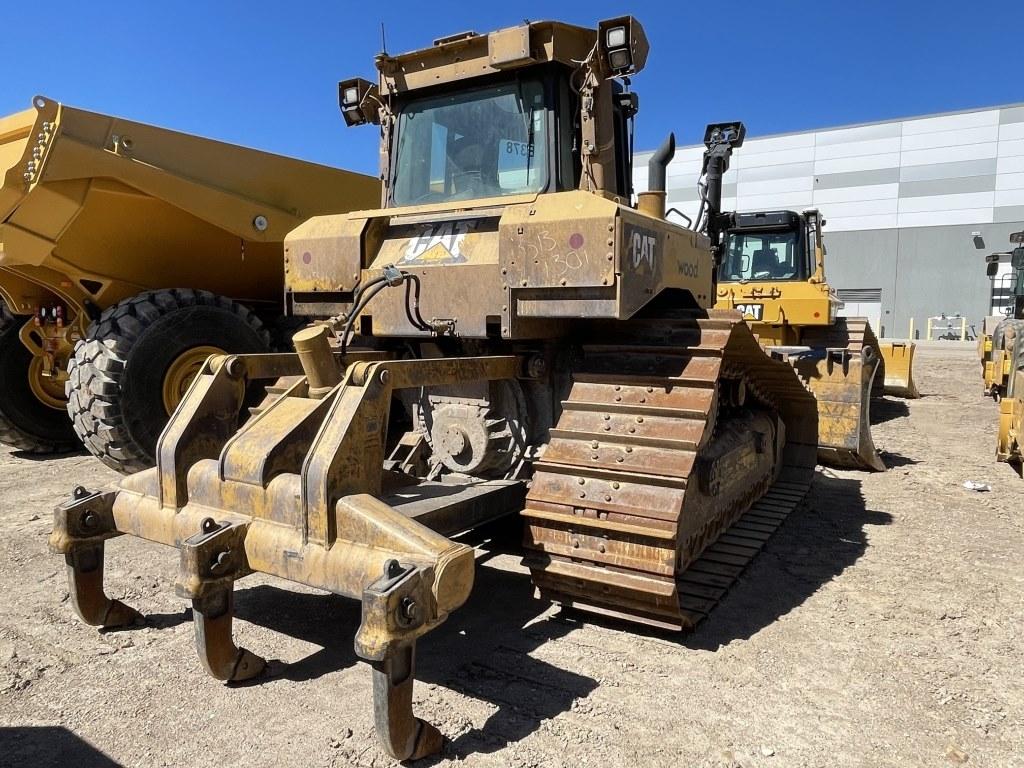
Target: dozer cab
point(1004, 368)
point(128, 254)
point(773, 271)
point(506, 335)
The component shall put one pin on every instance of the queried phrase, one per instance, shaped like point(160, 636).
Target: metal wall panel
point(956, 170)
point(829, 197)
point(948, 186)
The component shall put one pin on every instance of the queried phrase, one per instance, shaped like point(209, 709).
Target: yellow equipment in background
point(773, 271)
point(1004, 369)
point(112, 233)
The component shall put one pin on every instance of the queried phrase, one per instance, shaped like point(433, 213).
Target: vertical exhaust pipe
point(652, 202)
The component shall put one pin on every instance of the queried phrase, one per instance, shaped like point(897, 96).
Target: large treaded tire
point(115, 385)
point(26, 424)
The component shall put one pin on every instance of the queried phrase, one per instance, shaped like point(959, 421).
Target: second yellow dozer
point(128, 254)
point(506, 335)
point(773, 271)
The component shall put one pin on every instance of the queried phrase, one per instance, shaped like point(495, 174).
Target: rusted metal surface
point(654, 456)
point(840, 363)
point(841, 381)
point(294, 502)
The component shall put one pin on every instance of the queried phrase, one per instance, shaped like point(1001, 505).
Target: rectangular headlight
point(619, 59)
point(616, 37)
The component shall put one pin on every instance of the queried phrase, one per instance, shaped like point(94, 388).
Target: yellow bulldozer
point(773, 271)
point(507, 335)
point(129, 254)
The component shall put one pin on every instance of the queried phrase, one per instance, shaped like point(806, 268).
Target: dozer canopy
point(478, 116)
point(771, 245)
point(507, 167)
point(772, 270)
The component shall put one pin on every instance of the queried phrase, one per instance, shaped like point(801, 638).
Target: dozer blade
point(670, 466)
point(894, 374)
point(898, 364)
point(841, 382)
point(299, 492)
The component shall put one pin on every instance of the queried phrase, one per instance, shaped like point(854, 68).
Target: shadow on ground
point(821, 538)
point(885, 409)
point(49, 747)
point(484, 650)
point(481, 651)
point(893, 460)
point(27, 456)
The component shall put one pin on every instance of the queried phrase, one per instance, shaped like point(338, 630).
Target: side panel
point(654, 256)
point(497, 269)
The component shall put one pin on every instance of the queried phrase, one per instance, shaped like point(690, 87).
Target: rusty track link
point(608, 518)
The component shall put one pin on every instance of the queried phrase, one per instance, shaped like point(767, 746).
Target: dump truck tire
point(26, 423)
point(117, 377)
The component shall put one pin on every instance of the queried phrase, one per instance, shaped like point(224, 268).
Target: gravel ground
point(880, 627)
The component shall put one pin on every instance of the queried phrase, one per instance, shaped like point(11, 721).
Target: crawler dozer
point(773, 271)
point(128, 254)
point(507, 335)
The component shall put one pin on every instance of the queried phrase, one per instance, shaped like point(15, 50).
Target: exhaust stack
point(652, 202)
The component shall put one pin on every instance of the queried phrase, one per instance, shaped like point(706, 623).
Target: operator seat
point(764, 260)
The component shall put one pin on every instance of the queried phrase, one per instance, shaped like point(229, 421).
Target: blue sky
point(265, 74)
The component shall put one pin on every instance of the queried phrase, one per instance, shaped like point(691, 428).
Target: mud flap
point(841, 383)
point(898, 363)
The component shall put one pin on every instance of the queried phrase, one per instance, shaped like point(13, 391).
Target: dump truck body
point(507, 335)
point(96, 210)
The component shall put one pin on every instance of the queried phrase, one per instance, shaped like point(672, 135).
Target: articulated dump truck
point(507, 335)
point(128, 255)
point(773, 271)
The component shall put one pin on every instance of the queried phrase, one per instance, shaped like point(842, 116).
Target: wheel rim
point(182, 372)
point(49, 390)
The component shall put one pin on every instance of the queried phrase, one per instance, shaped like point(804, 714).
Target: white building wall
point(962, 168)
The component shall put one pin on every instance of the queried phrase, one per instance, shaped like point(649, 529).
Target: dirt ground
point(881, 626)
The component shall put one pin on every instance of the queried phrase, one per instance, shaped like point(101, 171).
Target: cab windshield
point(761, 256)
point(483, 143)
